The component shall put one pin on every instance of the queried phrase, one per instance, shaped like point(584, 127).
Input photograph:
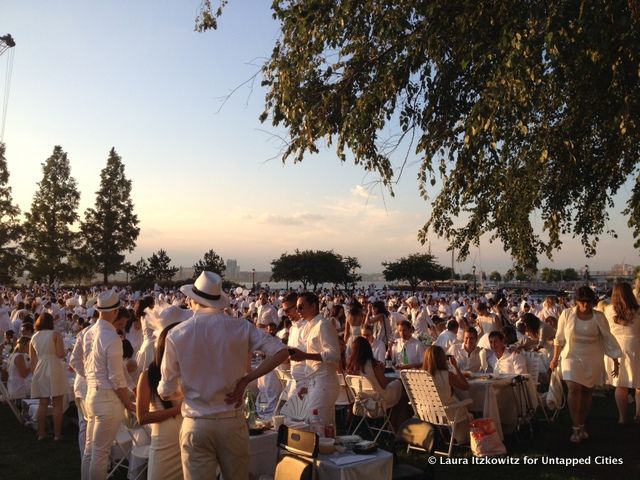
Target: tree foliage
point(553, 275)
point(49, 240)
point(10, 229)
point(315, 267)
point(111, 228)
point(212, 262)
point(495, 276)
point(522, 110)
point(414, 269)
point(159, 267)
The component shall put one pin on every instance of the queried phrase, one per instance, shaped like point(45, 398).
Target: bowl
point(326, 445)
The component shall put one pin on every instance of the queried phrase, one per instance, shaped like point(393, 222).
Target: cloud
point(296, 219)
point(362, 192)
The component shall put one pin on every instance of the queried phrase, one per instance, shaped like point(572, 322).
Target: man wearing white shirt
point(420, 319)
point(81, 350)
point(206, 357)
point(449, 336)
point(267, 313)
point(407, 351)
point(296, 340)
point(502, 360)
point(107, 393)
point(467, 354)
point(322, 356)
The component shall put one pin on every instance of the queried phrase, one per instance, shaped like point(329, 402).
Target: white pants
point(220, 440)
point(105, 414)
point(323, 393)
point(82, 425)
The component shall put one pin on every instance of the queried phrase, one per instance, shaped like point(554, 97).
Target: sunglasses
point(288, 309)
point(300, 307)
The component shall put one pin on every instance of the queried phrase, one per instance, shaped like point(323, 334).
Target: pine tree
point(212, 262)
point(160, 268)
point(48, 239)
point(111, 228)
point(10, 228)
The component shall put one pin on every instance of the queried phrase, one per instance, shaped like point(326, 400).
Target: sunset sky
point(90, 75)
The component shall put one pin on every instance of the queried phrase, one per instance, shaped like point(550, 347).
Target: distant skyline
point(91, 75)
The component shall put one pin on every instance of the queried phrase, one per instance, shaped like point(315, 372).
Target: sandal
point(575, 436)
point(583, 433)
point(58, 439)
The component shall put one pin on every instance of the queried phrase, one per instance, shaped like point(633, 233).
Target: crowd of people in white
point(181, 359)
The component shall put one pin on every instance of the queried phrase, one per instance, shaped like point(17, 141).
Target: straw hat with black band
point(207, 290)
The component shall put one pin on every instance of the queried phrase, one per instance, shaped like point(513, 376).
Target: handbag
point(555, 396)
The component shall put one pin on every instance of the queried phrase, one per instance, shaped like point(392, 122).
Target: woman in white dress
point(435, 362)
point(624, 320)
point(164, 417)
point(354, 323)
point(49, 377)
point(147, 349)
point(19, 381)
point(583, 337)
point(362, 362)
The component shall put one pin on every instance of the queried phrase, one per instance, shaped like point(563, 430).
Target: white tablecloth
point(378, 466)
point(263, 454)
point(495, 399)
point(263, 451)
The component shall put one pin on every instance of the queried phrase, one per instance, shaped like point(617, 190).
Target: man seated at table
point(449, 336)
point(500, 359)
point(377, 346)
point(467, 353)
point(407, 351)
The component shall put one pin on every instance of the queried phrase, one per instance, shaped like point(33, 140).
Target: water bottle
point(249, 408)
point(315, 424)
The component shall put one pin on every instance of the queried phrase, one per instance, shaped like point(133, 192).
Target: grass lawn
point(22, 457)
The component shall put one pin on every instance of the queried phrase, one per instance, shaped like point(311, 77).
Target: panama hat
point(108, 301)
point(207, 290)
point(173, 314)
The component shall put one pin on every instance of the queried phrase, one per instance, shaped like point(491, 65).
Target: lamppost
point(475, 287)
point(253, 279)
point(586, 274)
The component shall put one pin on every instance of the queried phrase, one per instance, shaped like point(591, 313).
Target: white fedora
point(108, 301)
point(173, 314)
point(207, 290)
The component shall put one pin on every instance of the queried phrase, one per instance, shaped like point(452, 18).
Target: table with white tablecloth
point(497, 399)
point(263, 452)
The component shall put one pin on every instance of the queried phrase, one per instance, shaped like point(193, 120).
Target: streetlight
point(253, 279)
point(475, 288)
point(586, 274)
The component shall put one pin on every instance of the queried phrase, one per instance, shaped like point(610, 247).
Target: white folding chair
point(286, 380)
point(295, 408)
point(369, 403)
point(428, 406)
point(534, 367)
point(4, 397)
point(140, 442)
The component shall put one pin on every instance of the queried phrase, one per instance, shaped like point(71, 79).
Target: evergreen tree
point(48, 239)
point(212, 262)
point(111, 228)
point(160, 268)
point(10, 228)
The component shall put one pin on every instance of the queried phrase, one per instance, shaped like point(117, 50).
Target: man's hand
point(297, 355)
point(235, 397)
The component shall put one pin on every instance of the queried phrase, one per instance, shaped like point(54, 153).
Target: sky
point(90, 75)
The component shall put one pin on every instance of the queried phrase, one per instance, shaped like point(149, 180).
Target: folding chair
point(428, 406)
point(344, 404)
point(370, 404)
point(297, 454)
point(534, 367)
point(4, 397)
point(140, 442)
point(286, 380)
point(522, 402)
